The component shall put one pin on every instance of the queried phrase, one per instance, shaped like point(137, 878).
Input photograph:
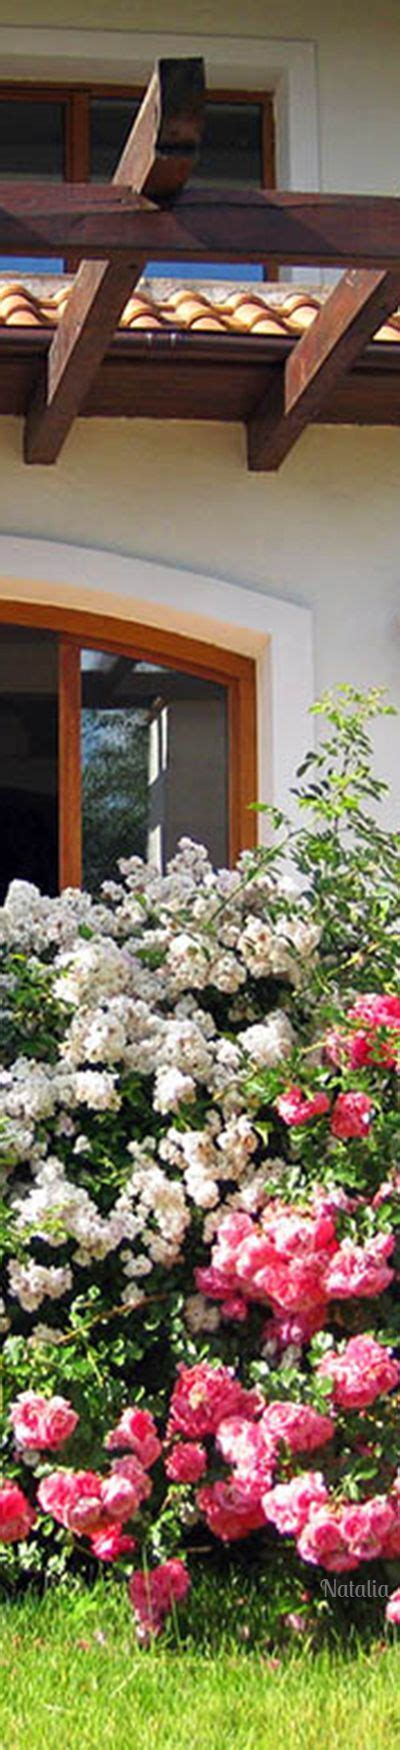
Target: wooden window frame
point(80, 630)
point(77, 98)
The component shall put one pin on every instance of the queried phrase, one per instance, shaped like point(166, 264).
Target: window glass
point(110, 123)
point(31, 145)
point(231, 149)
point(31, 139)
point(232, 145)
point(154, 763)
point(28, 758)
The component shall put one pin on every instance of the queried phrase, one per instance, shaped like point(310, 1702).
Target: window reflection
point(154, 763)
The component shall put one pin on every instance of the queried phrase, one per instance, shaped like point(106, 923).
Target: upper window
point(235, 147)
point(78, 133)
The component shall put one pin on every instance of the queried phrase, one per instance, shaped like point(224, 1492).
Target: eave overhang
point(175, 375)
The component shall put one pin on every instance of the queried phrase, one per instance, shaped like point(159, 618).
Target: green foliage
point(32, 1019)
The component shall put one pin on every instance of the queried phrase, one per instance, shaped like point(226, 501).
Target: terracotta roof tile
point(164, 306)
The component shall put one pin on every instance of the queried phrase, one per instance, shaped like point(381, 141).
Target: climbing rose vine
point(199, 1158)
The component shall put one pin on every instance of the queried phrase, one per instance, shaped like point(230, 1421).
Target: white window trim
point(277, 634)
point(279, 64)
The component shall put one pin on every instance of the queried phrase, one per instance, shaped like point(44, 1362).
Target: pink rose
point(16, 1514)
point(216, 1284)
point(375, 1011)
point(365, 1045)
point(378, 1009)
point(359, 1049)
point(321, 1541)
point(110, 1542)
point(365, 1524)
point(392, 1612)
point(247, 1447)
point(233, 1230)
point(335, 1046)
point(187, 1462)
point(244, 1444)
point(136, 1429)
point(59, 1493)
point(119, 1497)
point(230, 1510)
point(285, 1258)
point(351, 1116)
point(364, 1048)
point(295, 1108)
point(301, 1427)
point(130, 1467)
point(360, 1373)
point(203, 1396)
point(297, 1328)
point(289, 1232)
point(288, 1504)
point(292, 1287)
point(390, 1546)
point(42, 1423)
point(153, 1594)
point(235, 1309)
point(171, 1582)
point(360, 1270)
point(85, 1515)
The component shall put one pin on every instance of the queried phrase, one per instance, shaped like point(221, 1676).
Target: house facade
point(150, 577)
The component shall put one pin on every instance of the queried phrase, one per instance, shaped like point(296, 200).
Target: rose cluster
point(293, 1262)
point(264, 1448)
point(91, 1506)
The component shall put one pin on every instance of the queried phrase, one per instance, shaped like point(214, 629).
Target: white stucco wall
point(324, 533)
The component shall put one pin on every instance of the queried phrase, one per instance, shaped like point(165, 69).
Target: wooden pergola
point(149, 212)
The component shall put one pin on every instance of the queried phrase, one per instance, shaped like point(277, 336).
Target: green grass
point(71, 1676)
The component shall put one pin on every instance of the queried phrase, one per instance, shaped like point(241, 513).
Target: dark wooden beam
point(350, 317)
point(97, 220)
point(156, 160)
point(259, 225)
point(267, 225)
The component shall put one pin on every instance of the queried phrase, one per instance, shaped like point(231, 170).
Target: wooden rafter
point(156, 161)
point(351, 315)
point(259, 225)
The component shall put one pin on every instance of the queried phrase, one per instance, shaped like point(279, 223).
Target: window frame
point(79, 630)
point(77, 97)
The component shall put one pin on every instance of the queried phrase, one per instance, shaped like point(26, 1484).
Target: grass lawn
point(71, 1676)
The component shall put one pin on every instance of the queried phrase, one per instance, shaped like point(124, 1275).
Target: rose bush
point(199, 1235)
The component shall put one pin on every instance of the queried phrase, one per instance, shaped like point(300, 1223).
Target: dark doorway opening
point(28, 758)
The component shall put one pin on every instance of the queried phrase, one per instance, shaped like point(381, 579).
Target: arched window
point(117, 739)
